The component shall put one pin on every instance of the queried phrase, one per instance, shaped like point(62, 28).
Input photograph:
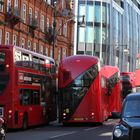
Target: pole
point(54, 28)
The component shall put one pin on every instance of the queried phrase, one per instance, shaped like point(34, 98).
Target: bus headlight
point(117, 132)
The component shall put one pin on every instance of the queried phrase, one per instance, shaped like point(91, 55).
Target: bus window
point(42, 62)
point(24, 96)
point(2, 61)
point(36, 97)
point(112, 82)
point(25, 57)
point(29, 97)
point(2, 57)
point(17, 55)
point(25, 60)
point(35, 62)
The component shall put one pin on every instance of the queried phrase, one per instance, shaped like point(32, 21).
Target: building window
point(59, 55)
point(0, 36)
point(90, 12)
point(46, 52)
point(23, 43)
point(15, 40)
point(82, 34)
point(64, 53)
point(35, 47)
point(97, 35)
point(60, 28)
point(65, 30)
point(1, 6)
point(29, 45)
point(36, 16)
point(97, 12)
point(24, 13)
point(48, 23)
point(49, 1)
point(62, 4)
point(9, 5)
point(51, 52)
point(42, 23)
point(82, 11)
point(7, 38)
point(16, 3)
point(41, 49)
point(30, 16)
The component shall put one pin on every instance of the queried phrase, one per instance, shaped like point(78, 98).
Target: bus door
point(30, 99)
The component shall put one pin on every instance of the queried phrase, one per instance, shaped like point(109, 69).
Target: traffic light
point(71, 4)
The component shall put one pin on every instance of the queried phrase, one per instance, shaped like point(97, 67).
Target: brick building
point(30, 23)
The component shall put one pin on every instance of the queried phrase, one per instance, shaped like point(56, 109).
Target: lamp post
point(54, 28)
point(55, 33)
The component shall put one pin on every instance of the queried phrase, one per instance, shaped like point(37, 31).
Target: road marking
point(88, 129)
point(64, 134)
point(106, 134)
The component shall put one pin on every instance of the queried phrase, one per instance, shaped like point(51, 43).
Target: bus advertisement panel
point(79, 84)
point(27, 87)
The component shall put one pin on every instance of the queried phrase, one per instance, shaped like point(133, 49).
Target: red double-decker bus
point(80, 90)
point(110, 76)
point(137, 74)
point(27, 87)
point(127, 82)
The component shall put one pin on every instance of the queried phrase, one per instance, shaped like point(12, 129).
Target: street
point(59, 132)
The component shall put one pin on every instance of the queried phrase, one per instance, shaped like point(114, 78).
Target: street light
point(55, 33)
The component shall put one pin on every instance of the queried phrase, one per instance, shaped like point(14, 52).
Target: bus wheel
point(25, 122)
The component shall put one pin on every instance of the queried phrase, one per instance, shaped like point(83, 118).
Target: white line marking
point(88, 129)
point(64, 134)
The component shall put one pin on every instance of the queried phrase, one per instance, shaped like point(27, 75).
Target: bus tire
point(25, 122)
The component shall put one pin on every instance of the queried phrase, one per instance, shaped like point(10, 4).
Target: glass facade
point(111, 33)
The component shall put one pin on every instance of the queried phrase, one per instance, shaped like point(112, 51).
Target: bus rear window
point(2, 57)
point(125, 78)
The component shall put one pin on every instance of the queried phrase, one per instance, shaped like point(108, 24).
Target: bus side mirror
point(116, 115)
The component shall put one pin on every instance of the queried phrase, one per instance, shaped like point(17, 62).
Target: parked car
point(2, 129)
point(128, 127)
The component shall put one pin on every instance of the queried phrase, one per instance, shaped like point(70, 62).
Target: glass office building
point(112, 31)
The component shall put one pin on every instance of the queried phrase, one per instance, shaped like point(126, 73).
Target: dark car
point(128, 127)
point(2, 129)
